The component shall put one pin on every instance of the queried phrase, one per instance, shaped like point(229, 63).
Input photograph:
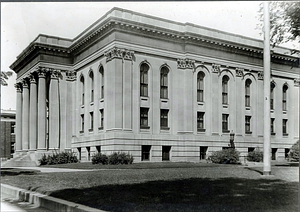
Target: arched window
point(164, 82)
point(92, 86)
point(247, 92)
point(200, 86)
point(144, 79)
point(225, 80)
point(101, 70)
point(284, 97)
point(272, 96)
point(82, 89)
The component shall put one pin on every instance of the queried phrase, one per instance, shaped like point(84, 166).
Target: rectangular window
point(284, 126)
point(98, 148)
point(247, 124)
point(101, 119)
point(225, 123)
point(225, 92)
point(82, 123)
point(203, 151)
point(251, 149)
point(146, 152)
point(272, 97)
point(286, 152)
point(272, 126)
point(274, 150)
point(200, 121)
point(144, 117)
point(82, 99)
point(12, 129)
point(164, 84)
point(166, 153)
point(91, 121)
point(92, 95)
point(164, 118)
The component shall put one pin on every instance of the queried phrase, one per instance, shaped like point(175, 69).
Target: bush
point(58, 158)
point(225, 156)
point(255, 156)
point(120, 158)
point(294, 153)
point(99, 158)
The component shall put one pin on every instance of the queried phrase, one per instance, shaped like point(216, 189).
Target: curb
point(45, 201)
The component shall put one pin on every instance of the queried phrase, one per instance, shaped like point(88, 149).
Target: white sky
point(22, 22)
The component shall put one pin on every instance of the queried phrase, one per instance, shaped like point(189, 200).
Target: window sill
point(144, 98)
point(81, 131)
point(225, 131)
point(91, 130)
point(200, 103)
point(102, 100)
point(248, 133)
point(100, 128)
point(200, 130)
point(273, 133)
point(82, 106)
point(165, 128)
point(284, 112)
point(144, 127)
point(285, 134)
point(248, 108)
point(164, 100)
point(92, 103)
point(272, 110)
point(225, 105)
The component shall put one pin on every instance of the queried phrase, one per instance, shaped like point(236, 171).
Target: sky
point(22, 22)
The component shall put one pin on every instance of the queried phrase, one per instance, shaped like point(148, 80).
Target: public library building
point(158, 89)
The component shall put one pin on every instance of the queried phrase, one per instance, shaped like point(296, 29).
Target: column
point(25, 116)
point(54, 111)
point(42, 109)
point(33, 114)
point(19, 118)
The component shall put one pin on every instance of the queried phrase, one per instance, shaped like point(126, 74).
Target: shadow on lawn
point(225, 194)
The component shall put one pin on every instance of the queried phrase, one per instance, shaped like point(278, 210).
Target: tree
point(284, 22)
point(4, 76)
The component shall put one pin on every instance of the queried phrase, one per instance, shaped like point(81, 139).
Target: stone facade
point(158, 89)
point(8, 121)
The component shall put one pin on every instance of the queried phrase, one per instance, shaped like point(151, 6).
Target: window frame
point(225, 122)
point(247, 93)
point(272, 95)
point(284, 97)
point(248, 124)
point(144, 79)
point(200, 86)
point(225, 81)
point(164, 74)
point(144, 117)
point(82, 89)
point(200, 121)
point(91, 121)
point(164, 118)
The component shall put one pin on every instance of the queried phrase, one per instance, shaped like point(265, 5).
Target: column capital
point(71, 75)
point(185, 63)
point(216, 68)
point(239, 72)
point(120, 53)
point(42, 72)
point(297, 82)
point(260, 75)
point(55, 73)
point(32, 78)
point(18, 87)
point(25, 83)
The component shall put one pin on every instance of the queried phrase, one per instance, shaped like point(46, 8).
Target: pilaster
point(54, 111)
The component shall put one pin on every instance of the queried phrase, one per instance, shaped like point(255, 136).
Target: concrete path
point(48, 170)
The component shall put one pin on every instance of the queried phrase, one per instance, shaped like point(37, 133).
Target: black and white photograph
point(188, 106)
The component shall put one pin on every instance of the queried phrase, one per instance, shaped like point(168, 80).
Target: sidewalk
point(49, 170)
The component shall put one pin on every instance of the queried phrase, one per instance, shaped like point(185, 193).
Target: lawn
point(169, 187)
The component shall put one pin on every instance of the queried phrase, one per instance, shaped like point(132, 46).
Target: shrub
point(58, 158)
point(120, 158)
point(225, 156)
point(294, 153)
point(255, 156)
point(99, 158)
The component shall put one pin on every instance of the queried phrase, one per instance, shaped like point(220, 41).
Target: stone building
point(8, 121)
point(156, 88)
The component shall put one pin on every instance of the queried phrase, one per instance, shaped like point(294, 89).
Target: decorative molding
point(239, 72)
point(71, 75)
point(185, 63)
point(260, 75)
point(116, 52)
point(216, 68)
point(297, 82)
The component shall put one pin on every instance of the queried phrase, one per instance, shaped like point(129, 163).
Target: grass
point(169, 187)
